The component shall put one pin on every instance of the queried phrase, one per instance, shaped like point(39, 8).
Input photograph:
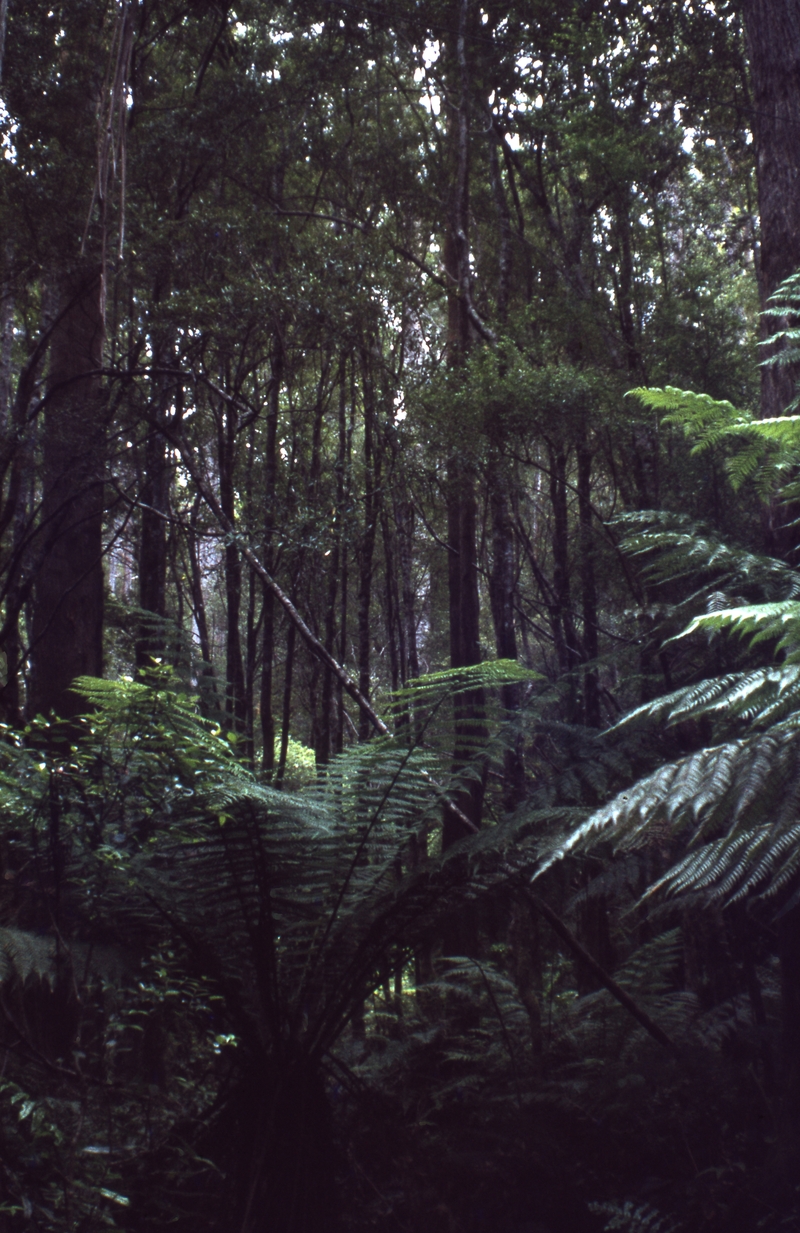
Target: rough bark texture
point(68, 609)
point(234, 662)
point(372, 472)
point(502, 587)
point(155, 505)
point(773, 43)
point(462, 506)
point(268, 611)
point(591, 691)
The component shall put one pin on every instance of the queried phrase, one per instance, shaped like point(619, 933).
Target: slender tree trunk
point(346, 430)
point(329, 720)
point(268, 610)
point(502, 588)
point(234, 663)
point(199, 611)
point(591, 690)
point(286, 710)
point(404, 518)
point(154, 497)
point(68, 601)
point(566, 642)
point(372, 471)
point(391, 605)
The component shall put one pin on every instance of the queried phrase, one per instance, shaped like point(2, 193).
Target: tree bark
point(68, 597)
point(502, 587)
point(591, 690)
point(154, 498)
point(772, 28)
point(234, 663)
point(268, 610)
point(372, 470)
point(462, 506)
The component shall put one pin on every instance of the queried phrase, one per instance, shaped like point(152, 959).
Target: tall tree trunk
point(566, 638)
point(68, 598)
point(462, 505)
point(268, 610)
point(772, 28)
point(591, 690)
point(234, 663)
point(502, 587)
point(208, 691)
point(155, 504)
point(329, 720)
point(286, 710)
point(404, 519)
point(372, 470)
point(393, 632)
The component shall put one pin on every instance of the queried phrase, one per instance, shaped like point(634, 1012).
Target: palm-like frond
point(293, 903)
point(736, 803)
point(635, 1218)
point(758, 622)
point(726, 790)
point(675, 547)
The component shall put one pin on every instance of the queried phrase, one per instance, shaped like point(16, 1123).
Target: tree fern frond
point(635, 1219)
point(680, 548)
point(699, 414)
point(732, 787)
point(23, 954)
point(759, 622)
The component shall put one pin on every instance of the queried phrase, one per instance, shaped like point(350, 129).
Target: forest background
point(418, 849)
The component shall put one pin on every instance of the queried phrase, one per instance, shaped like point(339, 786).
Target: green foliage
point(765, 452)
point(733, 803)
point(635, 1218)
point(269, 915)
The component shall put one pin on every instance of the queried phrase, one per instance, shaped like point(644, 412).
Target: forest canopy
point(399, 616)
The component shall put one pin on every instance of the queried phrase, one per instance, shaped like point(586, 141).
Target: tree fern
point(289, 908)
point(635, 1218)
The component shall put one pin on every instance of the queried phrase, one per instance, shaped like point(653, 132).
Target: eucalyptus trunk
point(68, 597)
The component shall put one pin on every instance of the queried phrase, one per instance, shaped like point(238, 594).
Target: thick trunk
point(462, 505)
point(773, 43)
point(465, 650)
point(68, 599)
point(284, 1169)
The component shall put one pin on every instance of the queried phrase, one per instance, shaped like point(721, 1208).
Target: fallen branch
point(607, 981)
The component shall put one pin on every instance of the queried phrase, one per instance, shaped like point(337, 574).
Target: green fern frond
point(759, 622)
point(635, 1219)
point(680, 548)
point(698, 414)
point(730, 787)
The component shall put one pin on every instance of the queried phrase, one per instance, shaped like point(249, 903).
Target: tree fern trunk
point(284, 1174)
